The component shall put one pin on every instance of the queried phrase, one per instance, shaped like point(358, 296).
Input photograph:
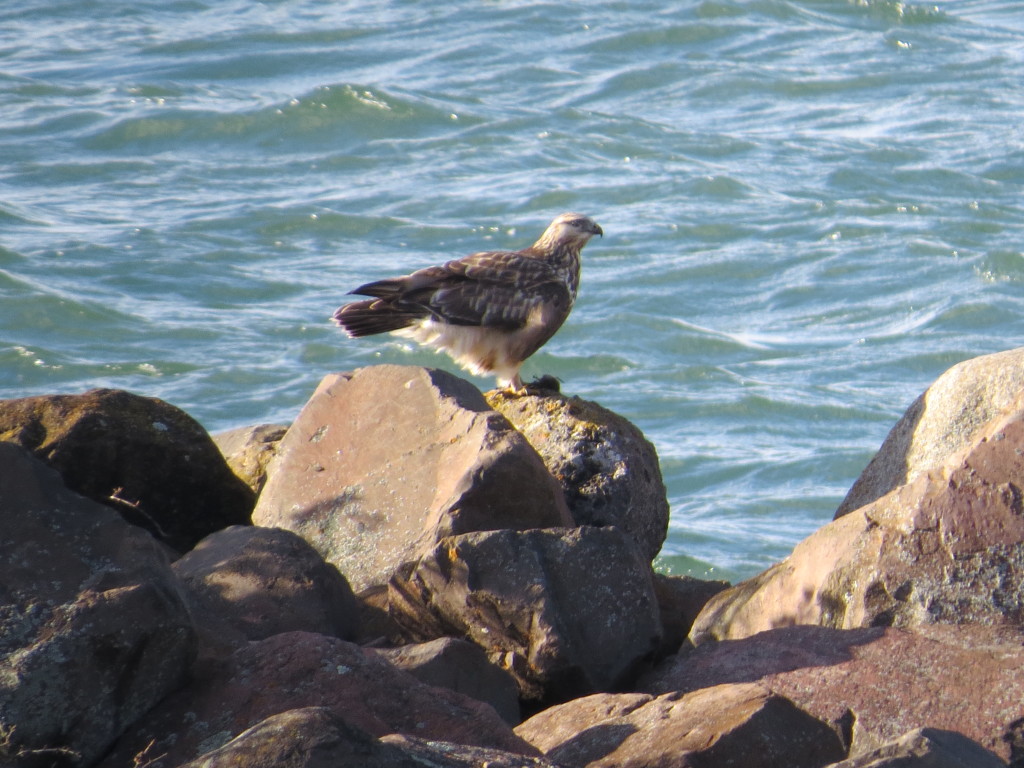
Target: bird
point(488, 311)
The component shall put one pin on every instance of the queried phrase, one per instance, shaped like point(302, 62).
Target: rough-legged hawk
point(489, 311)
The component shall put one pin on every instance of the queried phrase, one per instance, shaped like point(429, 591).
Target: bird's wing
point(498, 289)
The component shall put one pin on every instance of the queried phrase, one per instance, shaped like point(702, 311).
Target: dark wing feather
point(497, 289)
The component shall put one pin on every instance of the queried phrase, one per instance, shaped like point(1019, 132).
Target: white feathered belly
point(481, 351)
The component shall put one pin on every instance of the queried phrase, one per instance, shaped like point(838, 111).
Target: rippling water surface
point(811, 208)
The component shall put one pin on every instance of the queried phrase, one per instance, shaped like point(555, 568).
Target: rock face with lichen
point(607, 469)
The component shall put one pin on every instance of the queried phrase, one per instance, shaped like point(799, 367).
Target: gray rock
point(384, 462)
point(608, 470)
point(450, 662)
point(250, 583)
point(566, 611)
point(740, 725)
point(93, 627)
point(939, 423)
point(151, 462)
point(926, 748)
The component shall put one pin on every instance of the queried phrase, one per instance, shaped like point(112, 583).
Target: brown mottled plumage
point(489, 311)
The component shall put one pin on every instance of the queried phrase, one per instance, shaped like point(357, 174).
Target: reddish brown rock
point(384, 462)
point(940, 423)
point(439, 754)
point(450, 662)
point(296, 670)
point(316, 737)
point(313, 737)
point(608, 470)
point(926, 748)
point(249, 450)
point(151, 462)
point(680, 601)
point(566, 611)
point(878, 683)
point(948, 547)
point(738, 725)
point(93, 627)
point(249, 583)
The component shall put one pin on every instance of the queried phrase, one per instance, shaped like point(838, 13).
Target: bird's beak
point(598, 230)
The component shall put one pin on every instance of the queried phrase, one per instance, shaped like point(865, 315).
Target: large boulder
point(250, 583)
point(940, 423)
point(450, 662)
point(875, 684)
point(148, 460)
point(608, 470)
point(312, 737)
point(947, 547)
point(566, 611)
point(382, 463)
point(926, 748)
point(93, 627)
point(317, 737)
point(295, 670)
point(739, 725)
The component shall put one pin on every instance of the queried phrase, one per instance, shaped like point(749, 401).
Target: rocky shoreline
point(417, 574)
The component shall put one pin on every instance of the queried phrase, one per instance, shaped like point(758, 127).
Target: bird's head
point(569, 229)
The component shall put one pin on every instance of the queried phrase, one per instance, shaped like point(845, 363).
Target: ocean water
point(812, 208)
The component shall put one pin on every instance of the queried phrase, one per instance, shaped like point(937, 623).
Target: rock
point(384, 462)
point(296, 670)
point(680, 601)
point(313, 737)
point(449, 662)
point(926, 748)
point(736, 725)
point(948, 547)
point(93, 627)
point(249, 450)
point(251, 583)
point(940, 423)
point(566, 611)
point(439, 754)
point(145, 458)
point(608, 470)
point(876, 684)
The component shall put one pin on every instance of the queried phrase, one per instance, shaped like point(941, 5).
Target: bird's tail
point(366, 318)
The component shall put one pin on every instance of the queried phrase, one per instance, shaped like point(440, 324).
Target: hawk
point(489, 311)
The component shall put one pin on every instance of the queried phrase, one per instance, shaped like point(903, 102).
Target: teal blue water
point(812, 208)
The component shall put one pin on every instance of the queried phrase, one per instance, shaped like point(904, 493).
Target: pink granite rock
point(876, 684)
point(250, 583)
point(948, 547)
point(739, 725)
point(384, 462)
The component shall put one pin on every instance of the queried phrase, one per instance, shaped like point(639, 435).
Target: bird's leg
point(515, 386)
